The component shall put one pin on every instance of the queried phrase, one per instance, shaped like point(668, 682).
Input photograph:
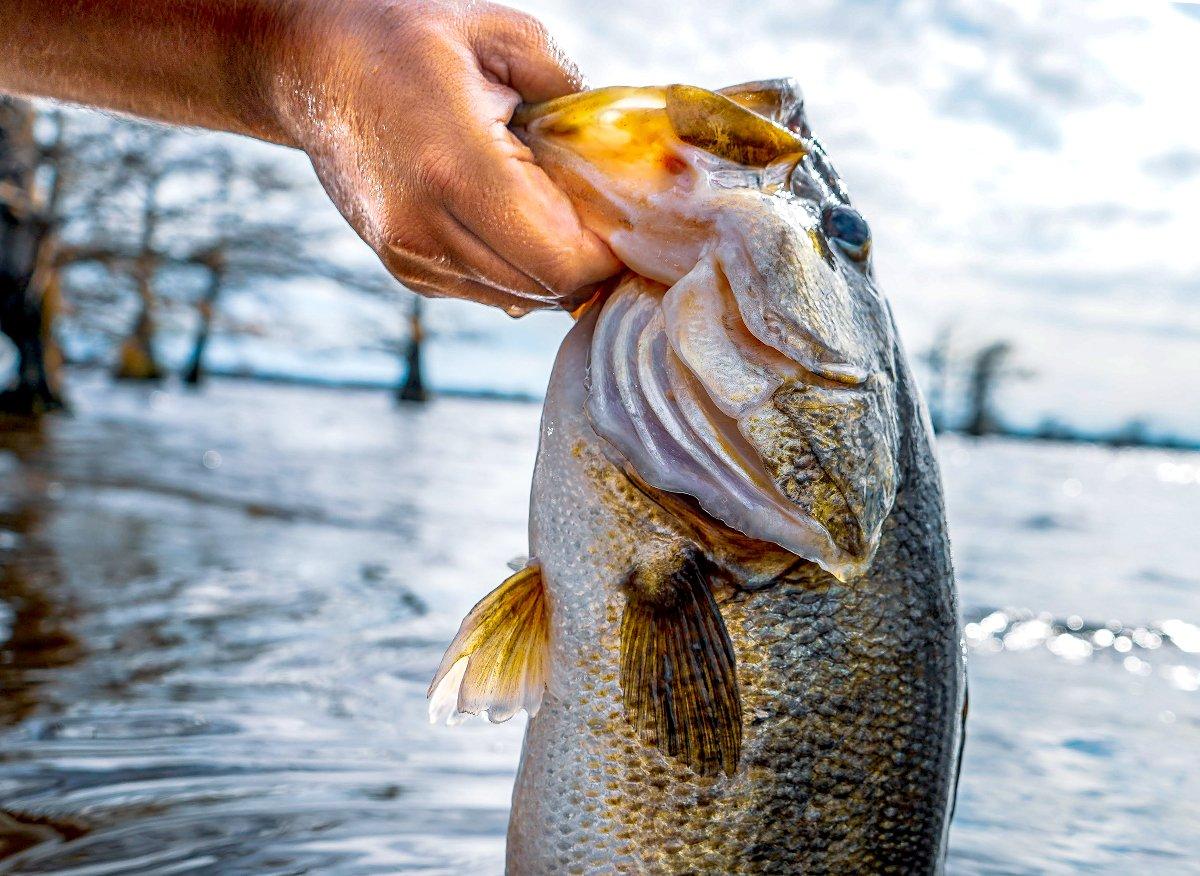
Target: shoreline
point(1121, 438)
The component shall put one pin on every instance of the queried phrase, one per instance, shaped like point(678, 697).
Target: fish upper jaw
point(647, 172)
point(657, 222)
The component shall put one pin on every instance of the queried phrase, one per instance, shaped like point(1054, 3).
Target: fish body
point(746, 654)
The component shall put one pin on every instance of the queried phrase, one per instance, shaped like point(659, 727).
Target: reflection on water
point(218, 615)
point(254, 637)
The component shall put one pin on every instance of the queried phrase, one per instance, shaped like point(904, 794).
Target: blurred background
point(249, 486)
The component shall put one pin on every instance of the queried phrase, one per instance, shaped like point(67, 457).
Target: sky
point(1030, 170)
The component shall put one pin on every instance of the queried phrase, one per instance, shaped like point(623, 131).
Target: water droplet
point(211, 460)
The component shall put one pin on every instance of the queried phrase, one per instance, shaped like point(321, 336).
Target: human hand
point(403, 109)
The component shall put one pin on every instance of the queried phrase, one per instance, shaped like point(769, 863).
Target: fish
point(737, 634)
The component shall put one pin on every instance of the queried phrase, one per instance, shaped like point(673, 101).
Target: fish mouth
point(691, 401)
point(708, 120)
point(760, 380)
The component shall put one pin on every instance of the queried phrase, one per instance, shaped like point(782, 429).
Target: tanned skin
point(402, 106)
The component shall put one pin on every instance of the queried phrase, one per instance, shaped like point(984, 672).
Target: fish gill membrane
point(740, 613)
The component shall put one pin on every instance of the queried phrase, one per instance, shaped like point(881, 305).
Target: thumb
point(515, 50)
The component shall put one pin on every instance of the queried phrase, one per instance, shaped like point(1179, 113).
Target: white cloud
point(1029, 168)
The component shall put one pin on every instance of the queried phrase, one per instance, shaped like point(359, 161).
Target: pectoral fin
point(497, 663)
point(678, 673)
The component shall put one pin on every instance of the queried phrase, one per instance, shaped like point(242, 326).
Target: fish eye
point(846, 227)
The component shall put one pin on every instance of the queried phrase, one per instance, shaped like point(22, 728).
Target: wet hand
point(403, 108)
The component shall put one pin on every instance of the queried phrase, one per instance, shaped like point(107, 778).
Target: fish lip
point(527, 114)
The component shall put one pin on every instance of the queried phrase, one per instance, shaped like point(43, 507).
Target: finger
point(518, 212)
point(441, 277)
point(476, 260)
point(515, 49)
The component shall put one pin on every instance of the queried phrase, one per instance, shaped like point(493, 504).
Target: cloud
point(1174, 165)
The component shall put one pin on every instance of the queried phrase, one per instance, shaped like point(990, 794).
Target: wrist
point(311, 41)
point(281, 65)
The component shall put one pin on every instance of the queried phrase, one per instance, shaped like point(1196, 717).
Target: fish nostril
point(846, 227)
point(804, 186)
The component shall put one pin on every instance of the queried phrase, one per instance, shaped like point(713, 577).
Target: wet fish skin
point(740, 589)
point(851, 691)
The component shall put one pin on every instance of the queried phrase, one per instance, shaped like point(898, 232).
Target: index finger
point(518, 211)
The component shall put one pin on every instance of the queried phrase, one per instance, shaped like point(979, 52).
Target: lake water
point(219, 613)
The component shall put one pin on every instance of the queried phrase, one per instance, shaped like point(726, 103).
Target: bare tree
point(137, 224)
point(412, 383)
point(136, 359)
point(136, 206)
point(989, 367)
point(938, 359)
point(27, 288)
point(175, 223)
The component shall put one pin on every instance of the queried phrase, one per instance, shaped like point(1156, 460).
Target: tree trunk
point(27, 290)
point(194, 373)
point(987, 372)
point(938, 360)
point(412, 387)
point(136, 359)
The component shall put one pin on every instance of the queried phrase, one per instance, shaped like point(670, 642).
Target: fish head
point(749, 360)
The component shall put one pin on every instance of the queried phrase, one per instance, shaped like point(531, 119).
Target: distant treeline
point(978, 374)
point(118, 225)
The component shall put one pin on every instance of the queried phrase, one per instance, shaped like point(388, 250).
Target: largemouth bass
point(737, 636)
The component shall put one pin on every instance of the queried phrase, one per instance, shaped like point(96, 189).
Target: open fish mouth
point(692, 402)
point(747, 361)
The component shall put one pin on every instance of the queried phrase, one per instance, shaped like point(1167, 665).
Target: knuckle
point(438, 170)
point(528, 29)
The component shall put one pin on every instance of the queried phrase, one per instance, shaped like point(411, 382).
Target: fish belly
point(851, 692)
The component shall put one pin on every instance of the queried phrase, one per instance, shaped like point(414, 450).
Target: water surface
point(219, 613)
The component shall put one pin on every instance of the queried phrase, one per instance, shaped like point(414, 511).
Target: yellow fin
point(497, 662)
point(678, 669)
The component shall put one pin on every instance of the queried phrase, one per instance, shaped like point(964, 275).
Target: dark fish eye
point(846, 227)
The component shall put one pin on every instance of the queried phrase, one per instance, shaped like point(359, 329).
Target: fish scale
point(740, 604)
point(848, 760)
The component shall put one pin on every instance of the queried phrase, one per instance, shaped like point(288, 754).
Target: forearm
point(402, 106)
point(211, 63)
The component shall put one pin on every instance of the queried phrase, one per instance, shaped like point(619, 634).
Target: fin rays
point(498, 661)
point(678, 674)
